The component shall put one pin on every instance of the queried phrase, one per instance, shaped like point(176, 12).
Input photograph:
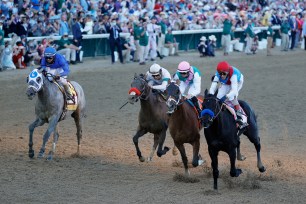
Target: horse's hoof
point(262, 169)
point(31, 154)
point(241, 158)
point(166, 149)
point(236, 173)
point(40, 155)
point(200, 162)
point(142, 159)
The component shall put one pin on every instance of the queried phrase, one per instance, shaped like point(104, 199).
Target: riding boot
point(196, 104)
point(68, 92)
point(158, 55)
point(239, 120)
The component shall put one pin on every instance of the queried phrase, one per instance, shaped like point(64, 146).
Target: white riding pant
point(62, 80)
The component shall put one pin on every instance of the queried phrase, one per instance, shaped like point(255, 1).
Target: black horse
point(221, 134)
point(152, 116)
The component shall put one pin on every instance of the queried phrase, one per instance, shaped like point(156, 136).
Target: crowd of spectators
point(35, 18)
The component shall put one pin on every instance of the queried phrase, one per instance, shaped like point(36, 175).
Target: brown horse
point(183, 124)
point(152, 115)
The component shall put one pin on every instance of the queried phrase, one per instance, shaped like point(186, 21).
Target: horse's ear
point(135, 76)
point(178, 82)
point(205, 92)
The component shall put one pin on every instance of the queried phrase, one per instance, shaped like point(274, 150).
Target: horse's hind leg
point(78, 122)
point(55, 139)
point(139, 133)
point(52, 125)
point(252, 134)
point(32, 126)
point(181, 148)
point(240, 157)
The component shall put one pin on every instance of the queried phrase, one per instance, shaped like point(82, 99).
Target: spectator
point(18, 55)
point(7, 56)
point(226, 37)
point(126, 49)
point(67, 49)
point(143, 42)
point(254, 45)
point(88, 29)
point(114, 31)
point(1, 41)
point(78, 38)
point(284, 29)
point(249, 37)
point(170, 42)
point(211, 44)
point(153, 30)
point(63, 28)
point(270, 34)
point(293, 29)
point(304, 31)
point(202, 46)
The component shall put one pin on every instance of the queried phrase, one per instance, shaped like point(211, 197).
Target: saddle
point(69, 104)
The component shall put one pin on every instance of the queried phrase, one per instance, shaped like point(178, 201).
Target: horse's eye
point(178, 92)
point(38, 79)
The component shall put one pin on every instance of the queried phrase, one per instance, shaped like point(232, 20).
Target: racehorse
point(221, 133)
point(49, 108)
point(152, 116)
point(184, 125)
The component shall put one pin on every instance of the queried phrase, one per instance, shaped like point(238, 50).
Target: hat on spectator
point(203, 38)
point(212, 38)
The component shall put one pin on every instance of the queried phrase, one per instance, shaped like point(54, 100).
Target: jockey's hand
point(223, 99)
point(57, 77)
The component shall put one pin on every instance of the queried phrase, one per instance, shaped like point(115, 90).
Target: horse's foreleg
point(139, 133)
point(160, 150)
point(181, 148)
point(78, 122)
point(55, 139)
point(214, 164)
point(232, 155)
point(197, 159)
point(260, 166)
point(32, 126)
point(52, 125)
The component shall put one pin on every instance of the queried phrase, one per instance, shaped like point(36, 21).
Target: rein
point(143, 91)
point(216, 115)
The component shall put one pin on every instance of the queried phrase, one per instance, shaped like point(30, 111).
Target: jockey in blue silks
point(56, 64)
point(190, 82)
point(231, 81)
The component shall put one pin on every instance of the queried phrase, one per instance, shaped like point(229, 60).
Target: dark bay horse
point(49, 108)
point(152, 116)
point(221, 134)
point(184, 125)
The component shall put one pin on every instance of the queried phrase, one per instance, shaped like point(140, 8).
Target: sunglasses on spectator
point(222, 73)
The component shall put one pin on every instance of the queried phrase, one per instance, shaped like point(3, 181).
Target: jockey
point(158, 77)
point(190, 82)
point(56, 64)
point(231, 80)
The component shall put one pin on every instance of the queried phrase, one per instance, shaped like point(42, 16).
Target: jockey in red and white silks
point(231, 82)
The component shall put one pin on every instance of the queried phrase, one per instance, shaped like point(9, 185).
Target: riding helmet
point(183, 66)
point(49, 52)
point(223, 66)
point(155, 69)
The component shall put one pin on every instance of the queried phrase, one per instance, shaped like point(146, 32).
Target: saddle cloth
point(69, 104)
point(200, 101)
point(72, 104)
point(230, 107)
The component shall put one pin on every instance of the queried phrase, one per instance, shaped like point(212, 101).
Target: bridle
point(177, 102)
point(210, 112)
point(142, 95)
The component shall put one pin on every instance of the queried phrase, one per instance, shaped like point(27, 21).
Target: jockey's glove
point(223, 99)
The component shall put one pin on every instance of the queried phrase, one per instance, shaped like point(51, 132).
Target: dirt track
point(109, 171)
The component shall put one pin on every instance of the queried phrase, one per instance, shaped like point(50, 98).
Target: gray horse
point(49, 108)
